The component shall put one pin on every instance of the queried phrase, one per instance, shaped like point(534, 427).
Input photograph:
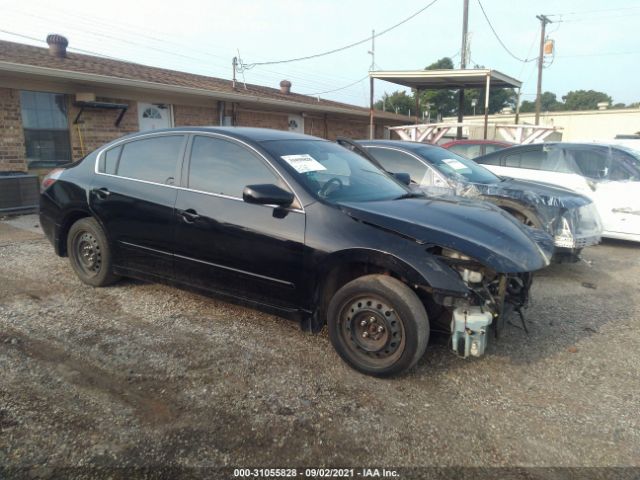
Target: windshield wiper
point(410, 195)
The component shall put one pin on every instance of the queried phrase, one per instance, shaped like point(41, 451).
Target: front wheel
point(378, 325)
point(89, 253)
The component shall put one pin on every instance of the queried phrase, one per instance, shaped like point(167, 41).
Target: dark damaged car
point(297, 226)
point(570, 218)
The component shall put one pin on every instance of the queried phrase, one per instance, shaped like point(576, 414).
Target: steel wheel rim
point(372, 331)
point(88, 253)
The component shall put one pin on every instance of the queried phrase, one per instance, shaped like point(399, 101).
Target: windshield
point(333, 173)
point(456, 167)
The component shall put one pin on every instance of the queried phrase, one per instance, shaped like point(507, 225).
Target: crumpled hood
point(549, 195)
point(474, 228)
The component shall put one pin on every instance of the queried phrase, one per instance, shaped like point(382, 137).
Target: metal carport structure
point(444, 80)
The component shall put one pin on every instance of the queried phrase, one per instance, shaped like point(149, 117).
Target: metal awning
point(447, 79)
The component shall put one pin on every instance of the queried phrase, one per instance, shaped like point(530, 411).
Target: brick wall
point(97, 126)
point(189, 116)
point(279, 121)
point(12, 152)
point(351, 128)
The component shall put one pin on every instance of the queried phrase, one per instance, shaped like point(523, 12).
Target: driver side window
point(591, 162)
point(224, 167)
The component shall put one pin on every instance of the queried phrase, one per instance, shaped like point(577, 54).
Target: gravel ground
point(143, 374)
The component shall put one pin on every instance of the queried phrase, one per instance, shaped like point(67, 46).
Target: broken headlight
point(563, 237)
point(465, 266)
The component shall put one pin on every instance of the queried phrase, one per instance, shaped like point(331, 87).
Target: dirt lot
point(142, 374)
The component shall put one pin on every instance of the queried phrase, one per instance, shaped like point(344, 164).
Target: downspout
point(221, 109)
point(486, 105)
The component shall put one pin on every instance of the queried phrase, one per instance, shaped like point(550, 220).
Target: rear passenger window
point(468, 151)
point(491, 160)
point(592, 162)
point(109, 161)
point(224, 167)
point(532, 159)
point(152, 159)
point(491, 148)
point(398, 162)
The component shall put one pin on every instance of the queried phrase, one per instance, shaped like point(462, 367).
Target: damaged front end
point(494, 297)
point(475, 260)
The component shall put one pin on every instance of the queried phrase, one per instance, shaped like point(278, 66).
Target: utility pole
point(372, 127)
point(543, 24)
point(463, 62)
point(372, 52)
point(234, 63)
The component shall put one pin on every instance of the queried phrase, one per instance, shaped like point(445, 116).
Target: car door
point(613, 184)
point(226, 245)
point(422, 175)
point(133, 195)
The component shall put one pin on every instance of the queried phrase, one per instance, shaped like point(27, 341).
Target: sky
point(597, 45)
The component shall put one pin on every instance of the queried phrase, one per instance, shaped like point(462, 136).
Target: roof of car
point(398, 143)
point(244, 133)
point(476, 142)
point(550, 144)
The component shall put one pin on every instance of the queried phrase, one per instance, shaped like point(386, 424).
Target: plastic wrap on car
point(553, 211)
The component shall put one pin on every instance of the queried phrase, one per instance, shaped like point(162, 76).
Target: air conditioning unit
point(19, 192)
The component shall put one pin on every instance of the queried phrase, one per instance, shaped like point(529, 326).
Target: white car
point(608, 174)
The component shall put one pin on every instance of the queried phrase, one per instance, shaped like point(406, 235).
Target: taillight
point(51, 178)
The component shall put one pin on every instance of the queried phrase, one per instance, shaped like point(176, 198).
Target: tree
point(548, 102)
point(584, 99)
point(398, 102)
point(442, 102)
point(499, 98)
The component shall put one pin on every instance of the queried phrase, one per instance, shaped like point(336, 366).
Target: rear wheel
point(89, 253)
point(378, 325)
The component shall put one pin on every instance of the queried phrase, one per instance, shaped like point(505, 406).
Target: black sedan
point(571, 218)
point(298, 226)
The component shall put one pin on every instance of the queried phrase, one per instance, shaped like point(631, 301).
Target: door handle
point(190, 215)
point(102, 193)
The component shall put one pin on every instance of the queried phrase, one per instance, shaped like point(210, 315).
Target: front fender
point(416, 265)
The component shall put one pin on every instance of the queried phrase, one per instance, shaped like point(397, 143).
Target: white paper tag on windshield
point(303, 163)
point(455, 164)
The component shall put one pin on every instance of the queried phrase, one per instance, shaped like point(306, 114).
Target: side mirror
point(403, 177)
point(267, 194)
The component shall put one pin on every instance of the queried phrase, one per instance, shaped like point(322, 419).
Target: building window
point(46, 128)
point(151, 112)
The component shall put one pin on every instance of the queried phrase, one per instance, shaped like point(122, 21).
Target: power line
point(597, 54)
point(340, 49)
point(89, 52)
point(586, 12)
point(598, 19)
point(206, 56)
point(341, 88)
point(525, 60)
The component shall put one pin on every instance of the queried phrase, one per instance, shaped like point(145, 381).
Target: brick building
point(57, 106)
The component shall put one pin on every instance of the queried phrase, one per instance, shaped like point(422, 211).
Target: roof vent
point(57, 45)
point(285, 87)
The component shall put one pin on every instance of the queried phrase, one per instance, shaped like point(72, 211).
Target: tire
point(528, 219)
point(393, 317)
point(90, 254)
